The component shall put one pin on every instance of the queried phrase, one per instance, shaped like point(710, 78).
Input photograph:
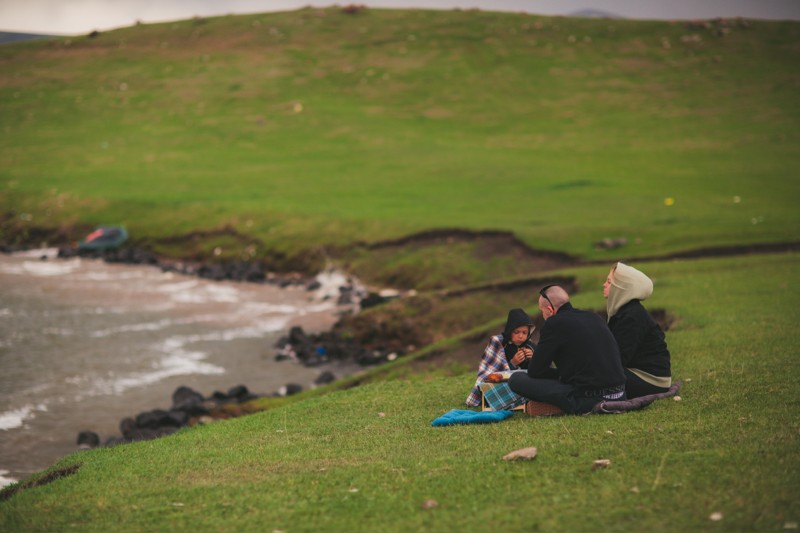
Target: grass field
point(334, 463)
point(313, 129)
point(313, 132)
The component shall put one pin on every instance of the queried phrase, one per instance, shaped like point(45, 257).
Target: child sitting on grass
point(506, 351)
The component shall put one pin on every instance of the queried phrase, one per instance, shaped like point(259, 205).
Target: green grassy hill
point(318, 135)
point(367, 458)
point(311, 130)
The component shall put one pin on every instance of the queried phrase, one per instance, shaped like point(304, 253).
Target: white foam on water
point(15, 418)
point(256, 331)
point(13, 269)
point(111, 275)
point(5, 481)
point(47, 268)
point(263, 308)
point(145, 326)
point(208, 294)
point(223, 293)
point(38, 252)
point(178, 363)
point(330, 280)
point(178, 287)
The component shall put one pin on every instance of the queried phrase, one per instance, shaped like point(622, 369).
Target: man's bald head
point(551, 299)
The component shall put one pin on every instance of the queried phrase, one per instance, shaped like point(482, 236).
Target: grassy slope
point(315, 127)
point(416, 120)
point(333, 463)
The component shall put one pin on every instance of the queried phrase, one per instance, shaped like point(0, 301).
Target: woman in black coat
point(644, 352)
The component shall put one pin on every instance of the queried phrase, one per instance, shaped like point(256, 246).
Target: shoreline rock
point(189, 408)
point(312, 350)
point(245, 271)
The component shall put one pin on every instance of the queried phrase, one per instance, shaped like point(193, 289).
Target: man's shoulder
point(582, 316)
point(575, 312)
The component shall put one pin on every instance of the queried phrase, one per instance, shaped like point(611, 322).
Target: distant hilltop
point(595, 13)
point(14, 37)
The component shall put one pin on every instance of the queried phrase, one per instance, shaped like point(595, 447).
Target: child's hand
point(528, 353)
point(519, 357)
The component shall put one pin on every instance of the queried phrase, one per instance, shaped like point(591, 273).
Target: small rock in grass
point(601, 463)
point(524, 453)
point(715, 517)
point(429, 504)
point(677, 398)
point(790, 525)
point(635, 490)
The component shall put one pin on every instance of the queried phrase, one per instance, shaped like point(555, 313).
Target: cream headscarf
point(627, 284)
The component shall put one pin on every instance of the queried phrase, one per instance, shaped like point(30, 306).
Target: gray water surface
point(84, 343)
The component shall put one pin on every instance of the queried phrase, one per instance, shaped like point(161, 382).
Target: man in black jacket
point(586, 358)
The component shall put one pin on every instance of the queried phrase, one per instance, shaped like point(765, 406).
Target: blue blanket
point(463, 416)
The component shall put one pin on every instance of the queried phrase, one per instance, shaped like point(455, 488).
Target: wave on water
point(112, 276)
point(145, 326)
point(17, 417)
point(5, 481)
point(208, 294)
point(179, 286)
point(181, 363)
point(38, 253)
point(179, 360)
point(42, 268)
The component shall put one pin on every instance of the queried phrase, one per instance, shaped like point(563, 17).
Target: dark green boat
point(104, 238)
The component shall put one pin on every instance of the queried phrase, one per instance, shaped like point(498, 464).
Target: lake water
point(84, 344)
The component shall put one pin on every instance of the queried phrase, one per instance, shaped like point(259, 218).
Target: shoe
point(542, 409)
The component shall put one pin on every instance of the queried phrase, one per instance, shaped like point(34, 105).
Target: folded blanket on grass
point(501, 397)
point(634, 404)
point(463, 416)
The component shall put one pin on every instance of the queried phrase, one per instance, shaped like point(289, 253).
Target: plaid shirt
point(493, 360)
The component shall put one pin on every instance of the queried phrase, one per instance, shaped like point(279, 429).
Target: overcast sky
point(72, 17)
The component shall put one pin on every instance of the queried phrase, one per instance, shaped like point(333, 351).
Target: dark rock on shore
point(133, 256)
point(240, 394)
point(189, 407)
point(311, 350)
point(88, 439)
point(372, 299)
point(189, 401)
point(247, 271)
point(289, 389)
point(325, 378)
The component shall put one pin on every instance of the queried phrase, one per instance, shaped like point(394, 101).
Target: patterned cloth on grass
point(502, 398)
point(464, 416)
